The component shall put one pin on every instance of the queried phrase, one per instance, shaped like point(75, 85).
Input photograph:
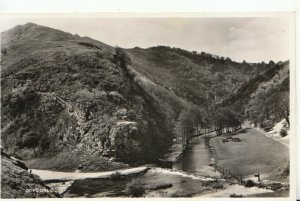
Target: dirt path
point(54, 175)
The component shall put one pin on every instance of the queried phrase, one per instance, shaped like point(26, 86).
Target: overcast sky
point(250, 39)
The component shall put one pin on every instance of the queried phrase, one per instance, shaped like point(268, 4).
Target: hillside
point(223, 89)
point(66, 98)
point(16, 180)
point(201, 78)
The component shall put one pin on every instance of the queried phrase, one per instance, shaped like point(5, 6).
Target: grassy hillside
point(256, 153)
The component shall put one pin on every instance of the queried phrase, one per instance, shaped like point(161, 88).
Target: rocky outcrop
point(125, 139)
point(18, 182)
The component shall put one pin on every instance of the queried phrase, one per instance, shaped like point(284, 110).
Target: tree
point(185, 126)
point(271, 63)
point(228, 59)
point(226, 118)
point(121, 57)
point(283, 104)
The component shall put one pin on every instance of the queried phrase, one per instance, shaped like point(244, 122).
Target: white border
point(168, 7)
point(72, 6)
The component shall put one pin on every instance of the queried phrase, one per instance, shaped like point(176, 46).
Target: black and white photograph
point(154, 106)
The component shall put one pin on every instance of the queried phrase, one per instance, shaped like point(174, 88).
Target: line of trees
point(194, 120)
point(269, 107)
point(226, 119)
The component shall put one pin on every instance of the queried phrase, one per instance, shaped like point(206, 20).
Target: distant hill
point(201, 78)
point(213, 82)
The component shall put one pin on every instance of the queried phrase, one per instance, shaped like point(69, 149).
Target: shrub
point(121, 57)
point(283, 133)
point(235, 195)
point(116, 176)
point(135, 189)
point(249, 183)
point(286, 171)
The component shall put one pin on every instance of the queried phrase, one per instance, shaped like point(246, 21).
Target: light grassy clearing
point(256, 153)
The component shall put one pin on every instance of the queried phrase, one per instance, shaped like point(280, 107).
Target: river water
point(197, 160)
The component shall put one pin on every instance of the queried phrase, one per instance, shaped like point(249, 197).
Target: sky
point(249, 39)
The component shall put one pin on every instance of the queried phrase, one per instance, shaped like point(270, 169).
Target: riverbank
point(238, 191)
point(156, 182)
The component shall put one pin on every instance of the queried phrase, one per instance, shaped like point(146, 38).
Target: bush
point(235, 195)
point(268, 128)
point(286, 171)
point(116, 176)
point(121, 57)
point(283, 133)
point(249, 183)
point(135, 189)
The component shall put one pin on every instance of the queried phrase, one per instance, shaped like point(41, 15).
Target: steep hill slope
point(66, 98)
point(201, 78)
point(17, 182)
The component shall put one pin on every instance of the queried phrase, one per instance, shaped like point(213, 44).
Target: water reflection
point(196, 160)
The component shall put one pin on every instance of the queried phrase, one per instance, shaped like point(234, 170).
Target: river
point(197, 160)
point(190, 176)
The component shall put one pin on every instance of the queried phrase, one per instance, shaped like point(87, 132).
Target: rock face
point(125, 139)
point(17, 182)
point(67, 94)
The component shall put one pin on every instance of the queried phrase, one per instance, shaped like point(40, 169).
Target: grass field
point(256, 153)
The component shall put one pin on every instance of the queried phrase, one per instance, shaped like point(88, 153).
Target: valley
point(102, 121)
